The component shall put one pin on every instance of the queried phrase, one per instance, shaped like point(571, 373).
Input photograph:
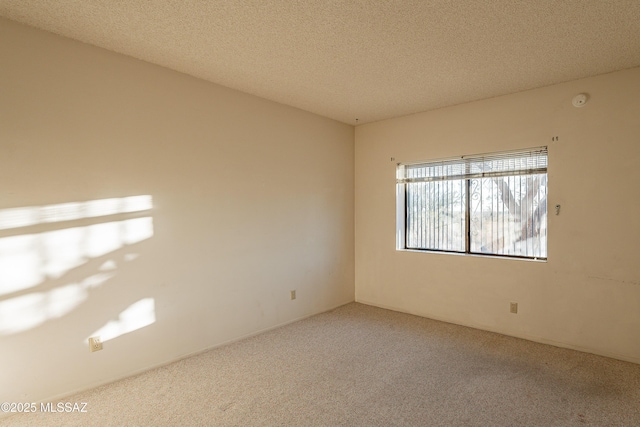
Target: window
point(491, 204)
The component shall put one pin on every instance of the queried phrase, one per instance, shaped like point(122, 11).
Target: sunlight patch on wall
point(42, 259)
point(28, 311)
point(136, 316)
point(28, 260)
point(24, 217)
point(20, 265)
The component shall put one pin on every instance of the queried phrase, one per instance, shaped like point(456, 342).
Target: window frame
point(402, 183)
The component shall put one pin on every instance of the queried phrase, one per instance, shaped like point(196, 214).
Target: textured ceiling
point(358, 59)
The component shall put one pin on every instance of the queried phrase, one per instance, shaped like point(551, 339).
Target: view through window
point(491, 204)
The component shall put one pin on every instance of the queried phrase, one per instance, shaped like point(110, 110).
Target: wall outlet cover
point(95, 344)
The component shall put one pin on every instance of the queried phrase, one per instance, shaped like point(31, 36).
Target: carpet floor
point(364, 366)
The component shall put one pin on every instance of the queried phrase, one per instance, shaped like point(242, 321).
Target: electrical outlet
point(514, 308)
point(95, 344)
point(292, 295)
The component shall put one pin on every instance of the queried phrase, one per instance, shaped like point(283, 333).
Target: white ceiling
point(358, 59)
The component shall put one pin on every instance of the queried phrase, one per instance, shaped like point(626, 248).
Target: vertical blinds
point(510, 163)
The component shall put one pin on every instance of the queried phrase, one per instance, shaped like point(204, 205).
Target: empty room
point(319, 213)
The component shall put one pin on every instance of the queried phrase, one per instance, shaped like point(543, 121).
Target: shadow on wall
point(52, 257)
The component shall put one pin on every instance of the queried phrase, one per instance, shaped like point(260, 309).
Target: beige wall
point(588, 293)
point(251, 199)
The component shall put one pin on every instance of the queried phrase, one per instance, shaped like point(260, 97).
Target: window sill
point(512, 258)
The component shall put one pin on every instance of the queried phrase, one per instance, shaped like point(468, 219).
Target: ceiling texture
point(358, 61)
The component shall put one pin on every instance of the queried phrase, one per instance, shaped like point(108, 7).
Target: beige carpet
point(364, 366)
